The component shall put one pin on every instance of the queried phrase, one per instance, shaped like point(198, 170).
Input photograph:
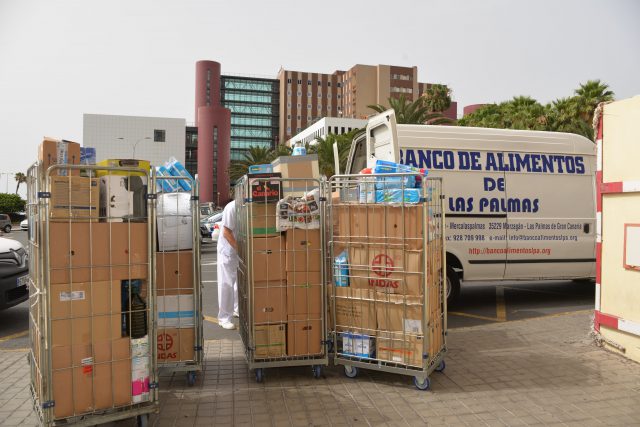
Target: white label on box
point(176, 311)
point(72, 296)
point(413, 326)
point(86, 361)
point(397, 359)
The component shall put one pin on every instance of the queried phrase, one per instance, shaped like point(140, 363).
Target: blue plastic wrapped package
point(176, 168)
point(366, 190)
point(299, 150)
point(341, 270)
point(384, 182)
point(358, 345)
point(165, 185)
point(398, 195)
point(385, 166)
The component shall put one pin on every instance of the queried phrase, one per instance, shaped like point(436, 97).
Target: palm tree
point(324, 149)
point(20, 179)
point(437, 98)
point(253, 156)
point(412, 112)
point(589, 95)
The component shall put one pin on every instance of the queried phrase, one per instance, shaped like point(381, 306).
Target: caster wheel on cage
point(259, 375)
point(317, 371)
point(142, 420)
point(350, 371)
point(441, 366)
point(421, 383)
point(191, 378)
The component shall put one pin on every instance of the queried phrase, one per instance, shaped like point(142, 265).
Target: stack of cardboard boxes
point(175, 278)
point(92, 265)
point(287, 278)
point(378, 309)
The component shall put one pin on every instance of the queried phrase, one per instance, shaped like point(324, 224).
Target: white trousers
point(227, 286)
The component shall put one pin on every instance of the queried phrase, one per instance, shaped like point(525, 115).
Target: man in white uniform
point(227, 268)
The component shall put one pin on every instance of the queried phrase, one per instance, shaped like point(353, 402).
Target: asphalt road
point(479, 303)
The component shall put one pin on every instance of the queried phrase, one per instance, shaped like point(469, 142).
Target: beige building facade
point(306, 96)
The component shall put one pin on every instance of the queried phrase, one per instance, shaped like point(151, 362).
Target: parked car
point(206, 224)
point(5, 223)
point(24, 225)
point(14, 273)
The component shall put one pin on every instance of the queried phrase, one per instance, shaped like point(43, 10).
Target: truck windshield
point(359, 160)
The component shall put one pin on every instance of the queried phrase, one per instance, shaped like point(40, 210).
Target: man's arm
point(228, 234)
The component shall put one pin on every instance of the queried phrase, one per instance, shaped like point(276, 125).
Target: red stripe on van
point(607, 320)
point(599, 263)
point(611, 187)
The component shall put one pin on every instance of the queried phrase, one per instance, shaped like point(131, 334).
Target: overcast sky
point(60, 59)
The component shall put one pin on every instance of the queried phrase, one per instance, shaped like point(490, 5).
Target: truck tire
point(453, 286)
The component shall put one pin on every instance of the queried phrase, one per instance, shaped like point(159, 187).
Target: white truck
point(520, 205)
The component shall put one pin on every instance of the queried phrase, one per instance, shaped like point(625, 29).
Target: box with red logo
point(386, 268)
point(263, 189)
point(175, 344)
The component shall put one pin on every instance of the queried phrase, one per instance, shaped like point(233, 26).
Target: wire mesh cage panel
point(91, 293)
point(387, 293)
point(281, 277)
point(179, 288)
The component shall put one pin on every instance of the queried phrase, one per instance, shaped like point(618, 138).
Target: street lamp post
point(135, 144)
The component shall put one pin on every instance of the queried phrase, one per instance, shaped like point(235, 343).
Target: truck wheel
point(7, 228)
point(453, 286)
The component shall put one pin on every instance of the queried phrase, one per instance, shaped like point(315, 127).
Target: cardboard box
point(175, 221)
point(304, 250)
point(297, 167)
point(400, 348)
point(270, 341)
point(399, 313)
point(386, 268)
point(86, 330)
point(400, 226)
point(176, 311)
point(268, 259)
point(357, 345)
point(83, 252)
point(176, 344)
point(73, 198)
point(355, 310)
point(304, 334)
point(304, 292)
point(123, 197)
point(69, 300)
point(111, 350)
point(174, 273)
point(265, 190)
point(263, 219)
point(73, 391)
point(54, 152)
point(269, 302)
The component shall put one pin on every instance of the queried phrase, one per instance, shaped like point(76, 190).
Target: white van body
point(519, 204)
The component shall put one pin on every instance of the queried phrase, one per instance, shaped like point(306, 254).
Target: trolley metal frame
point(191, 367)
point(40, 296)
point(244, 237)
point(432, 221)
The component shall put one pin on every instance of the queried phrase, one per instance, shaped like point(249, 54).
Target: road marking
point(14, 350)
point(544, 316)
point(501, 309)
point(474, 316)
point(12, 336)
point(210, 319)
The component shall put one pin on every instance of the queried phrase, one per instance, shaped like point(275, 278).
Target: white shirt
point(229, 221)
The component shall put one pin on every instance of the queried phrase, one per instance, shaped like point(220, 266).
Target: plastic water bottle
point(299, 150)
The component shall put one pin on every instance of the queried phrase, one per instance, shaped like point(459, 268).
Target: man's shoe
point(236, 314)
point(227, 324)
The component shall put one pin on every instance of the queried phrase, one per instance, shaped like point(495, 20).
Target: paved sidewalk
point(543, 371)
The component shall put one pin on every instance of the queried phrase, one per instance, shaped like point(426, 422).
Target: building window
point(319, 83)
point(289, 92)
point(309, 82)
point(299, 81)
point(339, 85)
point(289, 116)
point(328, 95)
point(159, 135)
point(298, 117)
point(309, 94)
point(335, 129)
point(289, 129)
point(308, 106)
point(308, 118)
point(319, 95)
point(288, 80)
point(299, 93)
point(329, 107)
point(329, 84)
point(339, 96)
